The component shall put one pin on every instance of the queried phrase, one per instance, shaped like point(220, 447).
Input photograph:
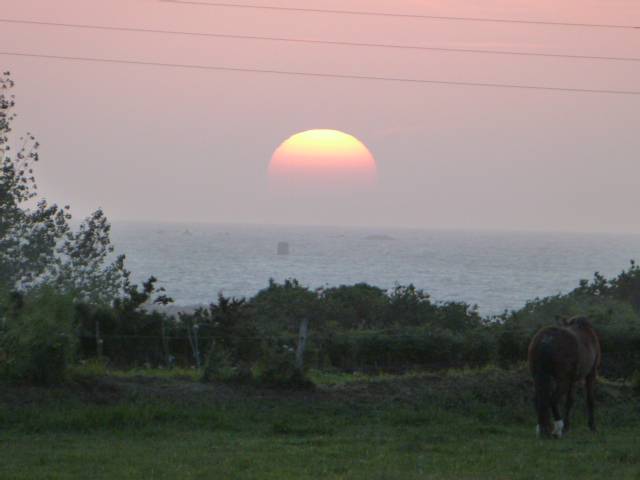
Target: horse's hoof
point(558, 428)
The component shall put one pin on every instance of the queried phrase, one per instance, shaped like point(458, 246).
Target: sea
point(495, 270)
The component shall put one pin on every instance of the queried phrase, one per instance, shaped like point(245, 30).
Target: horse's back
point(572, 351)
point(588, 347)
point(554, 351)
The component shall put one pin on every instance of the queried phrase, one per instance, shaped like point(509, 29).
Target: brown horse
point(558, 358)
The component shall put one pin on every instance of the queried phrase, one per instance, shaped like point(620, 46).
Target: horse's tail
point(543, 382)
point(542, 368)
point(543, 386)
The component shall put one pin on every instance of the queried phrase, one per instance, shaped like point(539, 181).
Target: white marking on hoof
point(558, 427)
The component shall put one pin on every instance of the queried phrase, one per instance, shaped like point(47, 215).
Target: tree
point(37, 244)
point(282, 306)
point(359, 306)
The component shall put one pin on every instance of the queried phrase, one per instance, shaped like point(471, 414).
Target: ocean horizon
point(495, 270)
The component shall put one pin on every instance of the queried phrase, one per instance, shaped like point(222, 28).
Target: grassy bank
point(462, 424)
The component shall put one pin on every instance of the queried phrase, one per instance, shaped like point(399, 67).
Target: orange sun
point(324, 159)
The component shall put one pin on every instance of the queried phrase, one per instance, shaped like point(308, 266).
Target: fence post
point(302, 343)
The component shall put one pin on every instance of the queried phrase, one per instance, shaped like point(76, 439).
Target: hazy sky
point(175, 144)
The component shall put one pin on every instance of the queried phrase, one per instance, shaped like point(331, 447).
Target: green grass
point(351, 431)
point(96, 368)
point(320, 377)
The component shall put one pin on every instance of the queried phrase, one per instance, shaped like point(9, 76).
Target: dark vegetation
point(257, 338)
point(357, 328)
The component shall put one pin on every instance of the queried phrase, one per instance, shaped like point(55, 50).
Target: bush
point(219, 367)
point(625, 287)
point(635, 382)
point(38, 340)
point(359, 306)
point(458, 317)
point(513, 343)
point(403, 349)
point(620, 349)
point(615, 321)
point(276, 368)
point(280, 307)
point(479, 347)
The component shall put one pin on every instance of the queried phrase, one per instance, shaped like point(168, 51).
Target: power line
point(323, 75)
point(396, 15)
point(312, 41)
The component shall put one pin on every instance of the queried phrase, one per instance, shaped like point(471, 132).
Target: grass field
point(450, 426)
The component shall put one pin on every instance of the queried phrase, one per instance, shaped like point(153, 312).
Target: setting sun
point(323, 158)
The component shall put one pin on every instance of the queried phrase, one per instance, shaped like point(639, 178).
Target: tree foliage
point(37, 243)
point(38, 336)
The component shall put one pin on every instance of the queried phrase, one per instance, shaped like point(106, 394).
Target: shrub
point(458, 317)
point(625, 287)
point(276, 368)
point(409, 307)
point(359, 306)
point(513, 342)
point(280, 307)
point(635, 382)
point(393, 350)
point(615, 321)
point(479, 347)
point(219, 367)
point(38, 340)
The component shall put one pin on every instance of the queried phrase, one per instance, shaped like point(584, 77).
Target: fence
point(389, 351)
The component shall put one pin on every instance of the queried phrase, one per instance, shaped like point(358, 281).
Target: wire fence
point(346, 351)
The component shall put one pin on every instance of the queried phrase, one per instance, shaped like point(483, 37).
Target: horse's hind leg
point(543, 403)
point(589, 384)
point(562, 388)
point(542, 410)
point(567, 407)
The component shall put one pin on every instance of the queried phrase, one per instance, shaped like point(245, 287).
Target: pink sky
point(172, 144)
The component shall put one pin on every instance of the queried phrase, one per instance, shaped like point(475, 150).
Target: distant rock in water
point(283, 248)
point(187, 232)
point(380, 237)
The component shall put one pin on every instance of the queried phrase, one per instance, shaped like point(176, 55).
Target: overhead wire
point(314, 41)
point(292, 73)
point(397, 15)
